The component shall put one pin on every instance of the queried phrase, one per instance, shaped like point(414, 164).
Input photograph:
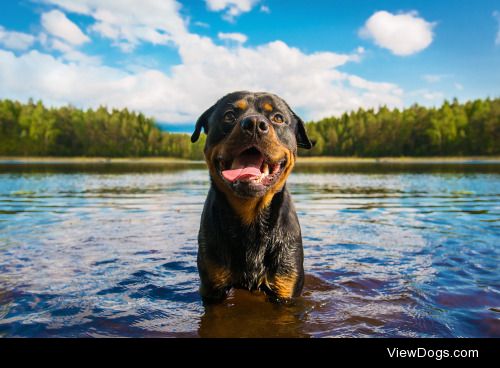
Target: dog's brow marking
point(241, 104)
point(267, 107)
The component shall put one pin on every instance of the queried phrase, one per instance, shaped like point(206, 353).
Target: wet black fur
point(271, 245)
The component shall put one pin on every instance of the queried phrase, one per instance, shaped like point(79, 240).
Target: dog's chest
point(252, 258)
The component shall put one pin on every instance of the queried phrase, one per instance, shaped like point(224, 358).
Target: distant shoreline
point(300, 161)
point(93, 160)
point(400, 160)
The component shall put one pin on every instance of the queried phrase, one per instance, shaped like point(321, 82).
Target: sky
point(173, 59)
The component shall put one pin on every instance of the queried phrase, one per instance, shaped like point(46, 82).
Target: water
point(110, 250)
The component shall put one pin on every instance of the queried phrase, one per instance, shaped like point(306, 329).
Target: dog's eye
point(229, 117)
point(278, 118)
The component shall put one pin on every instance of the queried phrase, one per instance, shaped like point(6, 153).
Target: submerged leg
point(215, 282)
point(283, 287)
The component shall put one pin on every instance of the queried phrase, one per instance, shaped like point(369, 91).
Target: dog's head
point(252, 141)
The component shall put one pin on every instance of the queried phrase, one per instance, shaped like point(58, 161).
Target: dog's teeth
point(265, 169)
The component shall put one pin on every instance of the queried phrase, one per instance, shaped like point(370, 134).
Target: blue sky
point(171, 60)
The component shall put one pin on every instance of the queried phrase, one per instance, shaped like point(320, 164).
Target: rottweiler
point(249, 234)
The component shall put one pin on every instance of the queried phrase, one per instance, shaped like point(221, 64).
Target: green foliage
point(472, 128)
point(34, 130)
point(457, 129)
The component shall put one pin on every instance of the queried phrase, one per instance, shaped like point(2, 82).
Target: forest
point(453, 129)
point(34, 130)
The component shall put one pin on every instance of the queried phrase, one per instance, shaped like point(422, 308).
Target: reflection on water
point(110, 250)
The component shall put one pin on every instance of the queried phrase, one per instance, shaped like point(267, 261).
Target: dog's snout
point(252, 124)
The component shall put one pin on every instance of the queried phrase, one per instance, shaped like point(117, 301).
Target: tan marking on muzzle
point(249, 208)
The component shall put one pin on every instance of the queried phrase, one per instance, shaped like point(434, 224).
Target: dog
point(249, 235)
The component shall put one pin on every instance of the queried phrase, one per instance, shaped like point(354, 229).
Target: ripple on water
point(387, 253)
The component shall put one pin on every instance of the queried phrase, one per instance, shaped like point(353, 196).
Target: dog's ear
point(303, 140)
point(202, 122)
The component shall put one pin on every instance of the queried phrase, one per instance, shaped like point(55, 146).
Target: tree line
point(472, 128)
point(33, 130)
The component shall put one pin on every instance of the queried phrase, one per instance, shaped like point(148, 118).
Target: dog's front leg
point(215, 281)
point(285, 286)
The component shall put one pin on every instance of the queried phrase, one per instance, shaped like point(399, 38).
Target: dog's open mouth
point(252, 167)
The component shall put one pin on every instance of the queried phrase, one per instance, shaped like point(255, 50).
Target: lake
point(391, 250)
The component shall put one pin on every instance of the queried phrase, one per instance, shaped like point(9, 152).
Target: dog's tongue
point(245, 166)
point(239, 174)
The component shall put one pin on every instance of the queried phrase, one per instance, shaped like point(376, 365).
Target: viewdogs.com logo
point(431, 353)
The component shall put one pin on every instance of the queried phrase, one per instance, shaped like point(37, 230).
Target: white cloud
point(402, 34)
point(126, 23)
point(237, 37)
point(202, 24)
point(59, 45)
point(57, 24)
point(67, 50)
point(231, 8)
point(311, 83)
point(496, 14)
point(428, 95)
point(358, 82)
point(69, 53)
point(179, 98)
point(15, 40)
point(458, 86)
point(433, 95)
point(265, 9)
point(435, 78)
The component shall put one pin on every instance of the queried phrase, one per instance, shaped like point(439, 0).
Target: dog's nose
point(248, 124)
point(262, 127)
point(252, 123)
